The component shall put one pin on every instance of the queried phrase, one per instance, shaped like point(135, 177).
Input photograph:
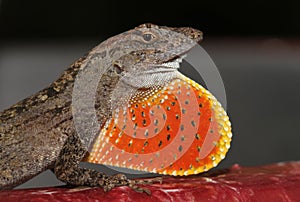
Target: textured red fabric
point(276, 182)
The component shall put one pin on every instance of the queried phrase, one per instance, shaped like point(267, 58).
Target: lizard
point(39, 132)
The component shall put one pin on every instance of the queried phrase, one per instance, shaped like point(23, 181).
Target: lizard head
point(158, 55)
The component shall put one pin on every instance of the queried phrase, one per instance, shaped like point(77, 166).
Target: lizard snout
point(192, 33)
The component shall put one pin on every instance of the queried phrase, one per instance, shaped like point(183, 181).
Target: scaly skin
point(38, 133)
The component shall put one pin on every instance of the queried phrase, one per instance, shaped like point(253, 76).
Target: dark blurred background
point(255, 45)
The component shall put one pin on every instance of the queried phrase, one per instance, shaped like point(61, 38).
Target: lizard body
point(39, 133)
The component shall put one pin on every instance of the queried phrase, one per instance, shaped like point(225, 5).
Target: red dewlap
point(180, 129)
point(276, 182)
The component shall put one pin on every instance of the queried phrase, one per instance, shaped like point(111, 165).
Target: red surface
point(276, 182)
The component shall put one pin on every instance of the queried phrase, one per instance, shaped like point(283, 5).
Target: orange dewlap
point(179, 129)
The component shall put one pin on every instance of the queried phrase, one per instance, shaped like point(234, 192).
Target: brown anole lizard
point(38, 133)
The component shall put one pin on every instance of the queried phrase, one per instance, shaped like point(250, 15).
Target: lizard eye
point(118, 69)
point(148, 37)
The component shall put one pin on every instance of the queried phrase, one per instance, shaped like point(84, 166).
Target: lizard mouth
point(169, 65)
point(174, 63)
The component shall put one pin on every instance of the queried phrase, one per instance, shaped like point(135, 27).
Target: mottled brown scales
point(66, 79)
point(38, 133)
